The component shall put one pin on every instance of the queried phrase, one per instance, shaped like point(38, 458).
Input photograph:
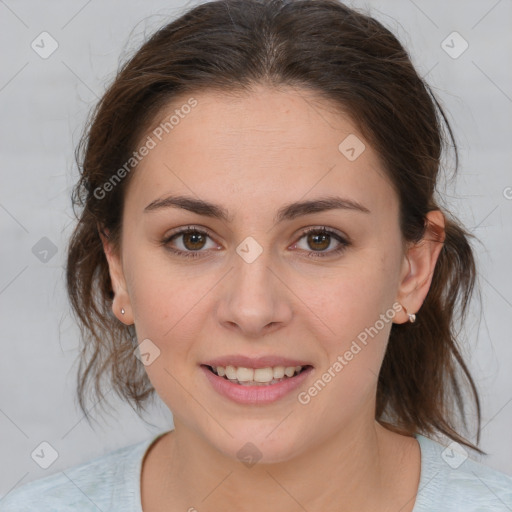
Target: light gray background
point(44, 103)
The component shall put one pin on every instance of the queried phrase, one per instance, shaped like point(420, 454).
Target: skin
point(252, 154)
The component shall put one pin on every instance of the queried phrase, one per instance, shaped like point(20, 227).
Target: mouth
point(255, 377)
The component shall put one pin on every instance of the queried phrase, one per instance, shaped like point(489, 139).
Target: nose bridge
point(251, 284)
point(252, 297)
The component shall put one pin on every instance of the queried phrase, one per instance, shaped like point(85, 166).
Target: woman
point(258, 227)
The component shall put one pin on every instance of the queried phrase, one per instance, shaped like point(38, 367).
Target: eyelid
point(341, 238)
point(304, 231)
point(189, 227)
point(183, 230)
point(301, 232)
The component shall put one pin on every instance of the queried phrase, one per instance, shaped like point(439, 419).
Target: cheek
point(160, 295)
point(166, 307)
point(354, 354)
point(355, 307)
point(354, 296)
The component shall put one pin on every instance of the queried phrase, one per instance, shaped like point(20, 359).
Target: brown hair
point(351, 60)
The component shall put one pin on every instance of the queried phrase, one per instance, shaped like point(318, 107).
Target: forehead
point(269, 144)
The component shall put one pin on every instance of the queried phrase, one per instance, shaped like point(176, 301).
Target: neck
point(362, 467)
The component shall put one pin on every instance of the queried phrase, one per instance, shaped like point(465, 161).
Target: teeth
point(244, 374)
point(263, 374)
point(289, 371)
point(278, 372)
point(259, 375)
point(230, 372)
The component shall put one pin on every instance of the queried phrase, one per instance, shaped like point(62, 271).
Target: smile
point(257, 386)
point(256, 376)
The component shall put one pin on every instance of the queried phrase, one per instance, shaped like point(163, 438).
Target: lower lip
point(255, 394)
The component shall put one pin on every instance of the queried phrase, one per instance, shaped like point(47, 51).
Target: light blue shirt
point(448, 482)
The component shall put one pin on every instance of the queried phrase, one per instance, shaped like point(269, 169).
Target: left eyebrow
point(287, 212)
point(321, 204)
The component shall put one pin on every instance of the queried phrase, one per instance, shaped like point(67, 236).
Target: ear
point(121, 297)
point(418, 266)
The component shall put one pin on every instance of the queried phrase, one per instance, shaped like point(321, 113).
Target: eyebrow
point(287, 212)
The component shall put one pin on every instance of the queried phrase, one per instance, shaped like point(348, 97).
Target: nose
point(254, 299)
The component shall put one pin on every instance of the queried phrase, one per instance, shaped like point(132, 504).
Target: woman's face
point(257, 286)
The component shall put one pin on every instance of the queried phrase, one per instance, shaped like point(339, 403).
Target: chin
point(259, 442)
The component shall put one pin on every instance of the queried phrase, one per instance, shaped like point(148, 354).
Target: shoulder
point(93, 485)
point(451, 480)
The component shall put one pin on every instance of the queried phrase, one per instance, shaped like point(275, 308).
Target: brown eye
point(188, 242)
point(193, 240)
point(320, 239)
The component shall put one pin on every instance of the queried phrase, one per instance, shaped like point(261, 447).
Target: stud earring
point(122, 311)
point(412, 316)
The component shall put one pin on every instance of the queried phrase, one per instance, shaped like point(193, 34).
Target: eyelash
point(311, 254)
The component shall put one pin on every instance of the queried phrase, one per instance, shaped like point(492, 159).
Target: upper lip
point(255, 362)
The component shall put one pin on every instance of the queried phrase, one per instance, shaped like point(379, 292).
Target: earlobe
point(411, 316)
point(420, 259)
point(121, 306)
